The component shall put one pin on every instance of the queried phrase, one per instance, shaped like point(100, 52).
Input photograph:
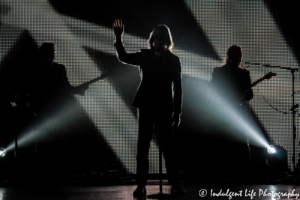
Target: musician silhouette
point(160, 70)
point(231, 78)
point(232, 84)
point(50, 95)
point(49, 82)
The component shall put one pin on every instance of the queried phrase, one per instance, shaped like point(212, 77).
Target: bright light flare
point(2, 152)
point(271, 149)
point(46, 127)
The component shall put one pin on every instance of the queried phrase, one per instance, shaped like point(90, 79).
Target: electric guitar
point(266, 76)
point(220, 95)
point(82, 87)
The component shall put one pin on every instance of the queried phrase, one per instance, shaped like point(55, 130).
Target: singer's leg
point(144, 138)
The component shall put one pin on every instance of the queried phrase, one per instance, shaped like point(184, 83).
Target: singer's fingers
point(114, 24)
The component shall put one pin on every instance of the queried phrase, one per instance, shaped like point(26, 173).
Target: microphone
point(250, 63)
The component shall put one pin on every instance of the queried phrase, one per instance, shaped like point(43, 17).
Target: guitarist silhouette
point(232, 80)
point(231, 84)
point(48, 81)
point(50, 95)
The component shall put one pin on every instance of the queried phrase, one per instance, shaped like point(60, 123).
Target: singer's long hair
point(167, 31)
point(234, 53)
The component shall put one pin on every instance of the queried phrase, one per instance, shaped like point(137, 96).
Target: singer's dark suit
point(161, 76)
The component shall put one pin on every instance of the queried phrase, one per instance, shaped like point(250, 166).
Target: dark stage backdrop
point(202, 32)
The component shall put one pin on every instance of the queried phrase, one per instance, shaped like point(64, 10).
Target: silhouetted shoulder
point(146, 51)
point(228, 68)
point(243, 71)
point(174, 62)
point(151, 52)
point(218, 70)
point(60, 68)
point(172, 55)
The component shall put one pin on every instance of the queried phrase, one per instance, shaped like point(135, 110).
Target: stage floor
point(118, 192)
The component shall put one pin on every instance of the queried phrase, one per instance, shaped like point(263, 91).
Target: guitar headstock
point(269, 75)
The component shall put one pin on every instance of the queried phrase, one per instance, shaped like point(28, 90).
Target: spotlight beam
point(103, 42)
point(8, 37)
point(235, 120)
point(70, 52)
point(254, 28)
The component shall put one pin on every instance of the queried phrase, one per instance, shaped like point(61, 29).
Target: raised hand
point(118, 27)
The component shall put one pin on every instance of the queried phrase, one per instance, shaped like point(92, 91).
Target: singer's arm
point(123, 56)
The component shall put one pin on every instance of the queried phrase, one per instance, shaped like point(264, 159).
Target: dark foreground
point(72, 189)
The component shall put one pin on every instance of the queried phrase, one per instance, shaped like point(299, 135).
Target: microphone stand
point(17, 112)
point(19, 106)
point(293, 109)
point(160, 195)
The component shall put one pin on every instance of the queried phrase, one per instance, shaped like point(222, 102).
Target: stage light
point(278, 160)
point(2, 152)
point(271, 149)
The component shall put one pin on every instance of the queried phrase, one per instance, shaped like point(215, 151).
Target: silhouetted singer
point(160, 71)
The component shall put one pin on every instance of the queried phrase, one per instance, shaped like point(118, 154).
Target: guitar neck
point(255, 83)
point(93, 81)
